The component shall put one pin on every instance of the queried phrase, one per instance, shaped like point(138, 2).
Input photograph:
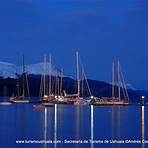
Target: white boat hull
point(5, 103)
point(20, 101)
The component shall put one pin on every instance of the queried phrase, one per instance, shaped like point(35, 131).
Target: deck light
point(92, 97)
point(142, 97)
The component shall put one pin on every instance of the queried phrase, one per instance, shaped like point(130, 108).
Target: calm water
point(62, 122)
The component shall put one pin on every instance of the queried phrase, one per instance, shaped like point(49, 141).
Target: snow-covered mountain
point(128, 85)
point(9, 69)
point(39, 68)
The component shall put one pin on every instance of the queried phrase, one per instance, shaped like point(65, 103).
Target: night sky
point(102, 30)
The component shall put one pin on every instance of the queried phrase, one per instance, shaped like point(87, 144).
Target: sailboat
point(72, 98)
point(24, 98)
point(59, 98)
point(45, 87)
point(76, 98)
point(119, 100)
point(115, 100)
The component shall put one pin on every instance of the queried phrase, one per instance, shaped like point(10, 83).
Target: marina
point(73, 74)
point(52, 92)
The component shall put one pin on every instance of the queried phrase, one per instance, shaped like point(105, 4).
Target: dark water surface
point(61, 123)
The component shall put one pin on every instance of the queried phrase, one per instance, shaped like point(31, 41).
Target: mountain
point(98, 88)
point(8, 70)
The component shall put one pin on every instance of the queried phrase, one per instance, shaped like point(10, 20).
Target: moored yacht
point(24, 89)
point(119, 100)
point(77, 98)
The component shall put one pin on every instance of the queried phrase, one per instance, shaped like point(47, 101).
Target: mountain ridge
point(98, 88)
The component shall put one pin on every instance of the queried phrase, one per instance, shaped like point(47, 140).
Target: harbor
point(73, 74)
point(51, 89)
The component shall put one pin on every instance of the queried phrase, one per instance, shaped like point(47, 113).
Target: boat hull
point(108, 103)
point(5, 103)
point(19, 100)
point(48, 104)
point(39, 107)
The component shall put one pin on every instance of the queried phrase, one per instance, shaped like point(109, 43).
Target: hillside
point(98, 88)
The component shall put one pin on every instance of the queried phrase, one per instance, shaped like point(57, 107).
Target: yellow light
point(142, 97)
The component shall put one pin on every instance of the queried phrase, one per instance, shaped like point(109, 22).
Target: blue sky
point(103, 30)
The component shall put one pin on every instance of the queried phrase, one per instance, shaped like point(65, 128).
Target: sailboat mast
point(50, 74)
point(18, 87)
point(78, 79)
point(23, 95)
point(44, 75)
point(119, 91)
point(113, 81)
point(61, 83)
point(56, 84)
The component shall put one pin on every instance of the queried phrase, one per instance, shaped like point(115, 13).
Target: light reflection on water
point(55, 125)
point(92, 125)
point(143, 126)
point(116, 125)
point(45, 126)
point(20, 122)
